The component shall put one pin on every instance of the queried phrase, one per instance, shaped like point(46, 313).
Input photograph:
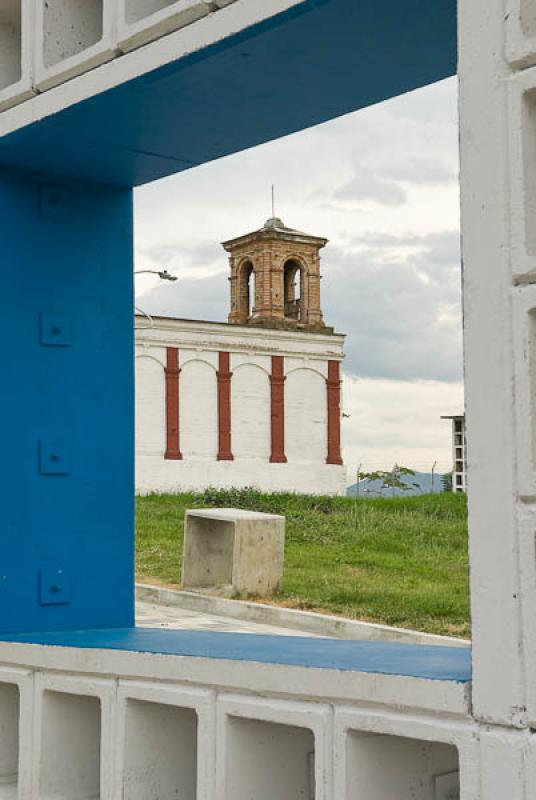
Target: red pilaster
point(334, 412)
point(172, 371)
point(224, 408)
point(277, 381)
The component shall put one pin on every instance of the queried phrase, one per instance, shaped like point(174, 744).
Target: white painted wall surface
point(198, 413)
point(306, 356)
point(150, 408)
point(250, 412)
point(306, 418)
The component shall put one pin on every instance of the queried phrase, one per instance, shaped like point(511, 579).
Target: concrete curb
point(304, 621)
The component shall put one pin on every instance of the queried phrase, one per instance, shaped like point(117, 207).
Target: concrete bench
point(241, 551)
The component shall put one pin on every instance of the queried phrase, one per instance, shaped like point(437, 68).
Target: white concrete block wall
point(46, 43)
point(74, 37)
point(199, 343)
point(511, 273)
point(500, 683)
point(207, 729)
point(498, 127)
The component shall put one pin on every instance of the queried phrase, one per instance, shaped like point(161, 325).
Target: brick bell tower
point(275, 278)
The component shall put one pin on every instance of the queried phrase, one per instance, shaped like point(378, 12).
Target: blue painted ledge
point(406, 660)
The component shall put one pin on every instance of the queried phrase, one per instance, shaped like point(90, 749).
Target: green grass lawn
point(397, 561)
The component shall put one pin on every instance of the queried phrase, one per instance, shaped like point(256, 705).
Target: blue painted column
point(66, 405)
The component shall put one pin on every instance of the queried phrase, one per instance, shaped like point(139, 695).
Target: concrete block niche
point(72, 738)
point(269, 759)
point(71, 747)
point(165, 742)
point(381, 767)
point(141, 21)
point(16, 710)
point(273, 749)
point(527, 172)
point(15, 52)
point(9, 740)
point(527, 15)
point(521, 31)
point(524, 315)
point(522, 187)
point(160, 751)
point(71, 37)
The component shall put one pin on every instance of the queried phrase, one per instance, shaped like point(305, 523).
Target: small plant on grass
point(390, 480)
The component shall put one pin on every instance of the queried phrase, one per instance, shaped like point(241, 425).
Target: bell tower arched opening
point(247, 289)
point(293, 278)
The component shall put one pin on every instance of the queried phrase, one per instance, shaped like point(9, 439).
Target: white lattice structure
point(459, 453)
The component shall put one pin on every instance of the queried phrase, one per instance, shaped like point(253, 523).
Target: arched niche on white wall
point(306, 416)
point(250, 413)
point(150, 406)
point(198, 403)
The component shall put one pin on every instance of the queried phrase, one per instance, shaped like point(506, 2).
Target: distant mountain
point(423, 481)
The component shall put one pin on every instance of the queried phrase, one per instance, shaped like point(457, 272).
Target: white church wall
point(305, 416)
point(150, 404)
point(198, 410)
point(306, 358)
point(250, 412)
point(160, 476)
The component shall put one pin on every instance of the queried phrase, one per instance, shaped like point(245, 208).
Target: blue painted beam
point(66, 405)
point(407, 660)
point(315, 62)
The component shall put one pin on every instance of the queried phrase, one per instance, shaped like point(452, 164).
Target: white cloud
point(398, 422)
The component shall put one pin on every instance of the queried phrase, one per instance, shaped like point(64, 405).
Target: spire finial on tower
point(273, 201)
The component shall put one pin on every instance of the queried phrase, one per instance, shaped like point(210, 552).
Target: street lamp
point(164, 275)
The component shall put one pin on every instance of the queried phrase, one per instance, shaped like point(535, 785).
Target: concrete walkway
point(150, 615)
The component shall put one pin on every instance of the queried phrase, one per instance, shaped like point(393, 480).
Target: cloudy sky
point(381, 185)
